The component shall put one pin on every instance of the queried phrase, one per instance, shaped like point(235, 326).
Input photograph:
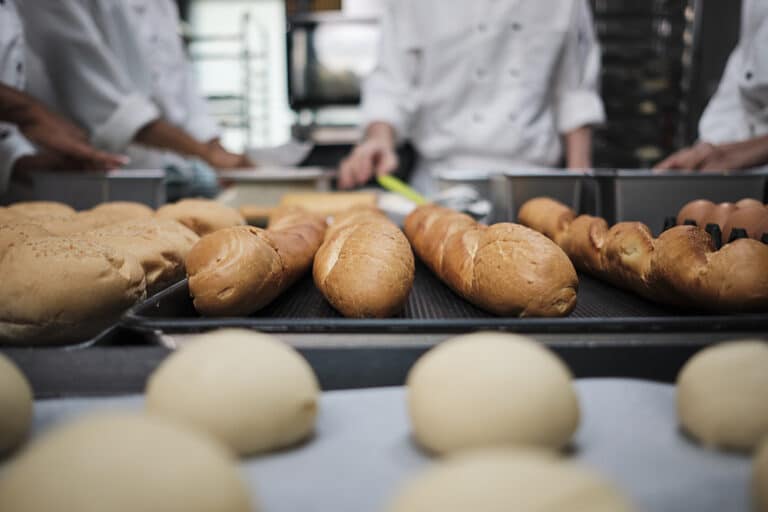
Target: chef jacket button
point(480, 73)
point(482, 27)
point(477, 117)
point(513, 73)
point(2, 2)
point(4, 134)
point(516, 26)
point(748, 75)
point(19, 67)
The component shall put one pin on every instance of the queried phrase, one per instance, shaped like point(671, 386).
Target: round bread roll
point(543, 281)
point(718, 215)
point(160, 245)
point(487, 389)
point(15, 406)
point(11, 234)
point(749, 202)
point(721, 395)
point(505, 480)
point(42, 209)
point(124, 463)
point(202, 216)
point(124, 210)
point(247, 389)
point(696, 211)
point(59, 290)
point(753, 219)
point(760, 478)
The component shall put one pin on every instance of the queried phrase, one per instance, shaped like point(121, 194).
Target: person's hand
point(374, 155)
point(219, 158)
point(701, 156)
point(64, 138)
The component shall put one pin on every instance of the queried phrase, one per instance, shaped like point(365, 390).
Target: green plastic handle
point(398, 187)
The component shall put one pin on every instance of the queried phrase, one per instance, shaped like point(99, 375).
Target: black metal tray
point(432, 307)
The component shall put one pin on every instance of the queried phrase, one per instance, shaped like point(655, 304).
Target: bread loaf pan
point(434, 308)
point(646, 196)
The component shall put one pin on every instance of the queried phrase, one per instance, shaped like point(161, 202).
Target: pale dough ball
point(505, 480)
point(124, 463)
point(760, 478)
point(248, 389)
point(15, 406)
point(488, 389)
point(721, 395)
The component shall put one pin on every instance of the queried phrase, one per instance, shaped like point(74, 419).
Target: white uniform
point(739, 109)
point(116, 65)
point(13, 145)
point(485, 85)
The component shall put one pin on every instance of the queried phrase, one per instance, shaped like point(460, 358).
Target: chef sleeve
point(577, 98)
point(388, 92)
point(723, 115)
point(89, 83)
point(13, 145)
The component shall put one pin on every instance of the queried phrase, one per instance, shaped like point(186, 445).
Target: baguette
point(365, 267)
point(682, 267)
point(506, 269)
point(238, 270)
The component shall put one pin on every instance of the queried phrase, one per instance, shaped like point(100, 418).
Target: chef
point(491, 85)
point(26, 123)
point(120, 70)
point(733, 131)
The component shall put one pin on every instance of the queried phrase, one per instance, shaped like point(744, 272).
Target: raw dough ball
point(248, 389)
point(504, 480)
point(124, 463)
point(15, 406)
point(487, 389)
point(760, 478)
point(721, 395)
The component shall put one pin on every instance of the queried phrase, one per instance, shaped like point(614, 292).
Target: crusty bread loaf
point(365, 266)
point(238, 270)
point(160, 245)
point(124, 210)
point(11, 234)
point(329, 203)
point(60, 290)
point(202, 216)
point(681, 267)
point(44, 209)
point(506, 268)
point(12, 217)
point(553, 216)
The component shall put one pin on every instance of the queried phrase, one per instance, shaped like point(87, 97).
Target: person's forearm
point(161, 134)
point(749, 153)
point(578, 148)
point(16, 107)
point(381, 131)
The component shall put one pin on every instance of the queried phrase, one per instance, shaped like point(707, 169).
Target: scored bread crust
point(506, 269)
point(238, 270)
point(682, 267)
point(365, 267)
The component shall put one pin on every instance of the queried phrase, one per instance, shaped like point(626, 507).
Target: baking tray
point(362, 451)
point(433, 308)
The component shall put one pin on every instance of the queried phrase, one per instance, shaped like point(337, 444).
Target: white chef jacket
point(115, 66)
point(13, 145)
point(739, 109)
point(485, 84)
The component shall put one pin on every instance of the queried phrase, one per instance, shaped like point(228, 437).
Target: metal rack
point(246, 107)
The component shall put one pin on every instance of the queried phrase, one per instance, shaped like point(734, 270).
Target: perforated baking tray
point(433, 307)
